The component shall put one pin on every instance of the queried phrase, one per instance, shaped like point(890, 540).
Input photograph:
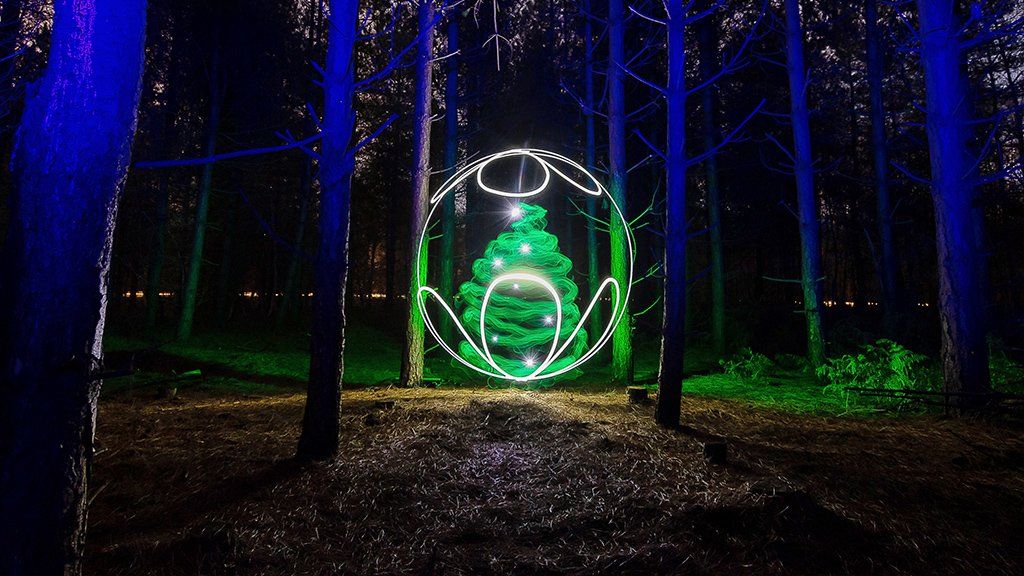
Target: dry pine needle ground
point(476, 481)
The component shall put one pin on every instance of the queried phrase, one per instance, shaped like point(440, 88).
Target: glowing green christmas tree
point(521, 315)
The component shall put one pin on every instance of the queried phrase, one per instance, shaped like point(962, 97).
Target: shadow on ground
point(476, 481)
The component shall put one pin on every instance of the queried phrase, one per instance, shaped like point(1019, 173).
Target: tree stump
point(637, 394)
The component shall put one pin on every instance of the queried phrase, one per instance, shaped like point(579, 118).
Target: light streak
point(549, 162)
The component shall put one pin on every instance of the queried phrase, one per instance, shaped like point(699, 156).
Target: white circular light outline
point(609, 284)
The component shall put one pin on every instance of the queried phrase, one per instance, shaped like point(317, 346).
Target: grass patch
point(791, 392)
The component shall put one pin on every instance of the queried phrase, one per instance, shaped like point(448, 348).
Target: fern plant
point(748, 365)
point(885, 365)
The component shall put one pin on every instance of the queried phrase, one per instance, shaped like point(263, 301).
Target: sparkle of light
point(524, 248)
point(497, 263)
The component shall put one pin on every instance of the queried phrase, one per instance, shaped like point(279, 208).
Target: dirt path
point(508, 482)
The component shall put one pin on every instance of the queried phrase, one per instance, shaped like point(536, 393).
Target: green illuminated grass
point(792, 393)
point(267, 362)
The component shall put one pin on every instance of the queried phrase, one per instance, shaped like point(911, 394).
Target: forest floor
point(571, 480)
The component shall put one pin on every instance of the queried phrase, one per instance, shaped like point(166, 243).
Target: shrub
point(884, 364)
point(792, 362)
point(1004, 371)
point(748, 365)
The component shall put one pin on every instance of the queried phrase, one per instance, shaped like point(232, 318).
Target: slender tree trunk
point(691, 271)
point(593, 256)
point(191, 289)
point(673, 331)
point(69, 164)
point(851, 254)
point(880, 153)
point(390, 254)
point(293, 276)
point(371, 276)
point(622, 339)
point(291, 280)
point(321, 421)
point(169, 133)
point(451, 154)
point(992, 314)
point(225, 284)
point(412, 358)
point(157, 253)
point(1015, 96)
point(960, 265)
point(807, 202)
point(708, 40)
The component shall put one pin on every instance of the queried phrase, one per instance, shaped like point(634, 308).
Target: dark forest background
point(231, 75)
point(223, 167)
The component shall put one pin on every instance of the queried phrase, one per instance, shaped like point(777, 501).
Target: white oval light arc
point(619, 296)
point(558, 320)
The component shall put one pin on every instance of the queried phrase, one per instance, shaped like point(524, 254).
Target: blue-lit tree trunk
point(707, 38)
point(961, 267)
point(622, 338)
point(803, 166)
point(590, 153)
point(886, 252)
point(68, 166)
point(321, 421)
point(673, 331)
point(412, 358)
point(451, 155)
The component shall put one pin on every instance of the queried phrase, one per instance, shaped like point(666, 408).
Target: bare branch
point(780, 146)
point(148, 164)
point(384, 125)
point(906, 172)
point(729, 138)
point(269, 230)
point(653, 148)
point(646, 17)
point(648, 83)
